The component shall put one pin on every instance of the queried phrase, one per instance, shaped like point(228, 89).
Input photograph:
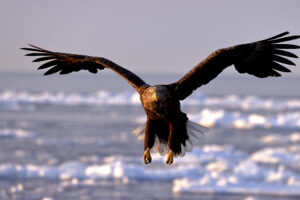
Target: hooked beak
point(154, 96)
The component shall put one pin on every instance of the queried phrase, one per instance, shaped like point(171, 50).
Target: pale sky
point(143, 36)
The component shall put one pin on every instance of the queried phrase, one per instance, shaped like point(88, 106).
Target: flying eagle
point(168, 129)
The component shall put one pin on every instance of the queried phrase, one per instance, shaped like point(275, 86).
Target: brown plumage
point(167, 126)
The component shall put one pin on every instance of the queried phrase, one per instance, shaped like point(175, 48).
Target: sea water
point(69, 137)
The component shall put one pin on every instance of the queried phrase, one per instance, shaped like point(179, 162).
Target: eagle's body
point(167, 129)
point(164, 119)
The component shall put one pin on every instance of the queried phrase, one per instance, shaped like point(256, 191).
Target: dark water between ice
point(69, 137)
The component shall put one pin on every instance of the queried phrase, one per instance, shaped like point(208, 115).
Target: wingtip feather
point(279, 35)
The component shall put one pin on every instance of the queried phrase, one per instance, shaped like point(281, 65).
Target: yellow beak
point(154, 96)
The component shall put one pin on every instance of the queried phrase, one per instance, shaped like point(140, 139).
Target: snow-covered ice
point(208, 169)
point(132, 98)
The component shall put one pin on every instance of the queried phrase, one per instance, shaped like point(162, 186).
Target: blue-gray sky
point(145, 36)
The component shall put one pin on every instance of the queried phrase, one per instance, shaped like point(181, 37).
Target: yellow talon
point(170, 157)
point(147, 157)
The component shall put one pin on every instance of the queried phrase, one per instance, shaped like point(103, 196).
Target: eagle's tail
point(139, 132)
point(195, 133)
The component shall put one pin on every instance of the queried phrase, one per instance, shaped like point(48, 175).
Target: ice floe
point(8, 98)
point(15, 99)
point(240, 120)
point(211, 168)
point(281, 138)
point(15, 133)
point(268, 171)
point(242, 112)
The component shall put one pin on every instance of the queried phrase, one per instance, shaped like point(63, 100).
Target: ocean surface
point(69, 137)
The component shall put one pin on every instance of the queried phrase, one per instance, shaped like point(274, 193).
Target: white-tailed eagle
point(167, 126)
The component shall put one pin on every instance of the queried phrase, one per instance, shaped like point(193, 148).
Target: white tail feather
point(194, 131)
point(196, 127)
point(139, 132)
point(156, 147)
point(188, 146)
point(164, 149)
point(160, 147)
point(183, 148)
point(194, 134)
point(193, 140)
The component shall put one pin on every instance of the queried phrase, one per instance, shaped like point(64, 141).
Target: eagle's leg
point(148, 142)
point(147, 157)
point(177, 136)
point(169, 160)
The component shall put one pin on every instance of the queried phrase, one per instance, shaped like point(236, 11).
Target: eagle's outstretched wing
point(262, 59)
point(65, 63)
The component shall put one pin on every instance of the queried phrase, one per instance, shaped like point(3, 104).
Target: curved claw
point(147, 157)
point(169, 160)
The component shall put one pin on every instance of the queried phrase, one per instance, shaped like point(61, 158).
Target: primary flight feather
point(168, 129)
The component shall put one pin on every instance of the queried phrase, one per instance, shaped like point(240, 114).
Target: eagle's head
point(155, 97)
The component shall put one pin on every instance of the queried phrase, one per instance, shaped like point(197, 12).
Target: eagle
point(167, 129)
